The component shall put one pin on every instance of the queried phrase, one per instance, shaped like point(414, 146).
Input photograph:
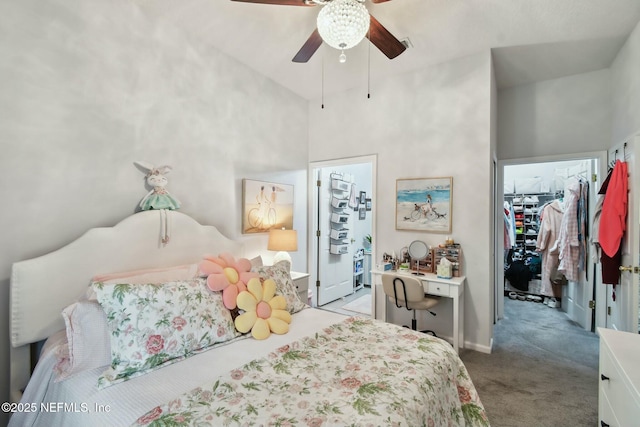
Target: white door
point(578, 294)
point(622, 313)
point(336, 270)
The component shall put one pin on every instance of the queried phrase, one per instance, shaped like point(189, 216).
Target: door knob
point(630, 269)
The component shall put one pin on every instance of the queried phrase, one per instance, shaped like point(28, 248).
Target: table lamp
point(284, 241)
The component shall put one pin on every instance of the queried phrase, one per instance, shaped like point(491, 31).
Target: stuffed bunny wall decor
point(158, 197)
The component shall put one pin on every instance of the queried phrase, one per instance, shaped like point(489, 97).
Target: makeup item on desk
point(443, 269)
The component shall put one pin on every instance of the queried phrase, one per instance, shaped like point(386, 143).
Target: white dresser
point(619, 389)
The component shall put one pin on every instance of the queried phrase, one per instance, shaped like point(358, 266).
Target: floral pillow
point(279, 272)
point(153, 325)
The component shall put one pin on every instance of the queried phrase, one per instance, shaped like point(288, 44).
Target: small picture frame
point(362, 213)
point(367, 204)
point(363, 197)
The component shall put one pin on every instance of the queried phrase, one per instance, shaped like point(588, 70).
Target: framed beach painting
point(424, 204)
point(266, 205)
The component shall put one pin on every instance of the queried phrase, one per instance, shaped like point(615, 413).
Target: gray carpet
point(543, 370)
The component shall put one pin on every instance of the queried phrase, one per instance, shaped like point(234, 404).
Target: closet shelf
point(547, 193)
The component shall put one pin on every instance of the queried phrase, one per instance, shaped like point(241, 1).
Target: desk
point(433, 285)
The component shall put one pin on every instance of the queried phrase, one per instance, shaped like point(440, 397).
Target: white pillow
point(152, 275)
point(87, 338)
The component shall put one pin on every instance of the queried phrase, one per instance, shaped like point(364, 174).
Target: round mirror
point(418, 250)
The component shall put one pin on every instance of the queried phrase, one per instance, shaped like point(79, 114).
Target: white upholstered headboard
point(42, 287)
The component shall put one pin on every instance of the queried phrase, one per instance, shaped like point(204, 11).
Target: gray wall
point(88, 89)
point(626, 90)
point(429, 123)
point(561, 116)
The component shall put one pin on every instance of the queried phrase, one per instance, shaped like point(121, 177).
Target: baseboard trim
point(470, 345)
point(481, 348)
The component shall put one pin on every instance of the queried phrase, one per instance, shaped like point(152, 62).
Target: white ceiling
point(532, 40)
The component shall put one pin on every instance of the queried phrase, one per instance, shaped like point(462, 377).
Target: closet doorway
point(341, 229)
point(526, 188)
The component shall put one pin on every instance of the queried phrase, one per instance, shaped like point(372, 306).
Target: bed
point(328, 369)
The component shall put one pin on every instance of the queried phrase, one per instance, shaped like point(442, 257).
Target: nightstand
point(301, 281)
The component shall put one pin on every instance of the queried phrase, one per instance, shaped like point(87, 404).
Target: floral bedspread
point(357, 372)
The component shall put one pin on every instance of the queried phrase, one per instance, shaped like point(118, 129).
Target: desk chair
point(408, 292)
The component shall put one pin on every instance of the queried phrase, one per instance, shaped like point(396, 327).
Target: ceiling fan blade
point(278, 2)
point(309, 47)
point(379, 1)
point(384, 40)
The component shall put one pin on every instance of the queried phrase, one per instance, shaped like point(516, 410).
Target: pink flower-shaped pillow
point(225, 273)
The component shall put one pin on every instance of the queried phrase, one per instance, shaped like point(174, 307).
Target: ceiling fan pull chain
point(369, 66)
point(322, 83)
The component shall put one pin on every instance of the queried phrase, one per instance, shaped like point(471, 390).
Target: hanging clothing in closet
point(595, 226)
point(596, 250)
point(609, 265)
point(613, 222)
point(509, 226)
point(572, 238)
point(583, 217)
point(547, 245)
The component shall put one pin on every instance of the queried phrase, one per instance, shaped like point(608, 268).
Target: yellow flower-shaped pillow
point(264, 312)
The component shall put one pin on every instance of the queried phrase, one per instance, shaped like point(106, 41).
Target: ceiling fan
point(386, 42)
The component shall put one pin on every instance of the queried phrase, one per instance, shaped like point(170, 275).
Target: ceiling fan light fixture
point(342, 24)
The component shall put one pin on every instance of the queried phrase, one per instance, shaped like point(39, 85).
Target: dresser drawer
point(436, 288)
point(605, 411)
point(611, 389)
point(618, 403)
